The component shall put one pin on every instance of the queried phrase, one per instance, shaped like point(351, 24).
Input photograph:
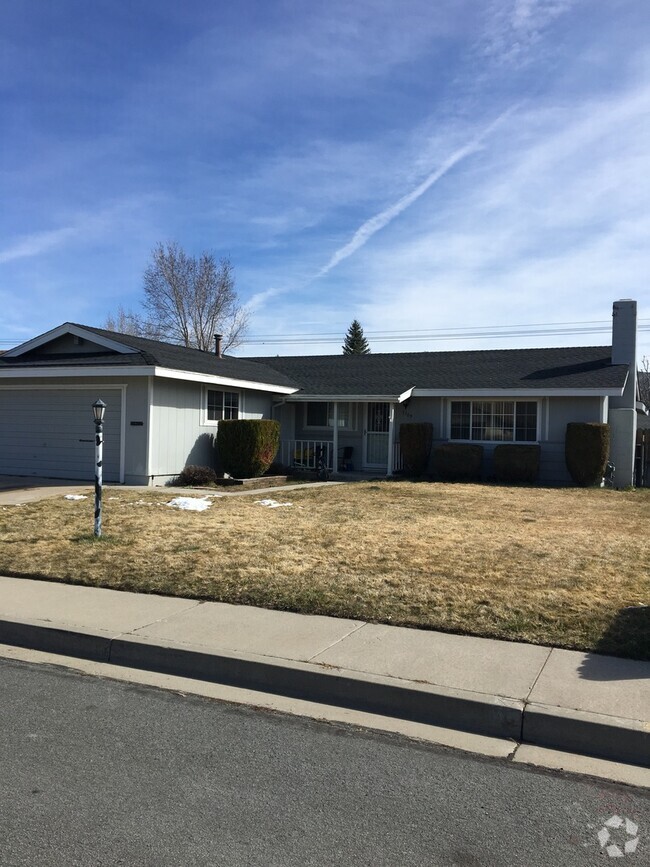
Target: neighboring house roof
point(149, 353)
point(572, 368)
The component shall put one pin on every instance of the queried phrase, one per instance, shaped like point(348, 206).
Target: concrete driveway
point(15, 490)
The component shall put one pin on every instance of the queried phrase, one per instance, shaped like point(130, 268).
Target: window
point(222, 405)
point(494, 420)
point(321, 415)
point(316, 415)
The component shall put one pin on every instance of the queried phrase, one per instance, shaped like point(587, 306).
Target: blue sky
point(416, 165)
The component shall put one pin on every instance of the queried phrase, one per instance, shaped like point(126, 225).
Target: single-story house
point(165, 402)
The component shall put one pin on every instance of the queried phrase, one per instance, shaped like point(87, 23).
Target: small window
point(321, 415)
point(222, 405)
point(316, 415)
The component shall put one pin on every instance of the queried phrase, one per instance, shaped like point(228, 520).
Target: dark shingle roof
point(393, 373)
point(154, 352)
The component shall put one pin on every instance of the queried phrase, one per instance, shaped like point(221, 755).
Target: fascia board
point(72, 372)
point(518, 392)
point(68, 328)
point(345, 398)
point(210, 379)
point(139, 370)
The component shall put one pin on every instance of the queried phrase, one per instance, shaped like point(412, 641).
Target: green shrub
point(193, 476)
point(415, 444)
point(458, 462)
point(516, 464)
point(586, 449)
point(247, 447)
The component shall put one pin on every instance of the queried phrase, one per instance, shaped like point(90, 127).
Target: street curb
point(607, 737)
point(56, 639)
point(424, 703)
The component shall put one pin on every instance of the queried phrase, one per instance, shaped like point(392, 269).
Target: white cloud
point(513, 27)
point(37, 243)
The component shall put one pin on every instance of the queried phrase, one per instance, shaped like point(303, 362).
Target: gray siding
point(181, 434)
point(135, 446)
point(68, 343)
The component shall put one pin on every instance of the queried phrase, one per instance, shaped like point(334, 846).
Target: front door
point(375, 436)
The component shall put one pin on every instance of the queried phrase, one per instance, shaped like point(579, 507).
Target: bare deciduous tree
point(125, 322)
point(187, 300)
point(644, 380)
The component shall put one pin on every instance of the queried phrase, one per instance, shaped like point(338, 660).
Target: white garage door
point(50, 432)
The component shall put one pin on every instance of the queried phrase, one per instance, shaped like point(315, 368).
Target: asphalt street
point(98, 772)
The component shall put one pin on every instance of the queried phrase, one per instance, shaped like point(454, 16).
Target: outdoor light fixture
point(99, 408)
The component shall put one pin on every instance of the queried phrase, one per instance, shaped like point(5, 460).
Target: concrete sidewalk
point(582, 703)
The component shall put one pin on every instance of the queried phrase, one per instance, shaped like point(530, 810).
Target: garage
point(49, 432)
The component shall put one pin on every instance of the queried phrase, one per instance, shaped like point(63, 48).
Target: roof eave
point(62, 330)
point(208, 379)
point(609, 391)
point(346, 398)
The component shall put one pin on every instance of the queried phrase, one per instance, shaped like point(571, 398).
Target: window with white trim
point(321, 415)
point(494, 420)
point(221, 405)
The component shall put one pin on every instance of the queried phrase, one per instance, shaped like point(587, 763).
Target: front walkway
point(18, 490)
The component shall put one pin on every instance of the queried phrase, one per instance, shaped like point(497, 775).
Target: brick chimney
point(217, 344)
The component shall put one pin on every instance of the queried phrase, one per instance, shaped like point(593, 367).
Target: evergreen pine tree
point(355, 343)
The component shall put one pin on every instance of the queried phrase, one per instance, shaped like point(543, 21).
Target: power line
point(539, 329)
point(479, 333)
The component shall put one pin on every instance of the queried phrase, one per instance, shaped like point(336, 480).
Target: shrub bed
point(516, 464)
point(247, 447)
point(415, 444)
point(458, 462)
point(193, 476)
point(586, 449)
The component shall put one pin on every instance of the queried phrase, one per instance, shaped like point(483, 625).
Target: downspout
point(275, 406)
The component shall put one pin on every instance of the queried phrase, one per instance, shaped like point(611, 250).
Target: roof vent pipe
point(217, 345)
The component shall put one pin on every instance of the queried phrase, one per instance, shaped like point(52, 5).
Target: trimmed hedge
point(458, 462)
point(415, 440)
point(247, 447)
point(516, 464)
point(586, 449)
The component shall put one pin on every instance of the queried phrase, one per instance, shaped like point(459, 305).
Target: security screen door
point(375, 439)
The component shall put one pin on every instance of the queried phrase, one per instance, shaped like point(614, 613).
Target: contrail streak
point(379, 221)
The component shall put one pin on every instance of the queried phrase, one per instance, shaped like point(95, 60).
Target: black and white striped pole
point(99, 408)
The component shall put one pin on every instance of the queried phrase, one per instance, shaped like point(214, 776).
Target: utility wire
point(440, 334)
point(541, 329)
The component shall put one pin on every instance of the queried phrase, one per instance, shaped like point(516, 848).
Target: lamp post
point(99, 408)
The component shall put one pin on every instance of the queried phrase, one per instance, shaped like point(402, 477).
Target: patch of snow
point(75, 497)
point(272, 504)
point(190, 504)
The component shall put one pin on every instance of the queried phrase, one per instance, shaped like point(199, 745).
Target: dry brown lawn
point(564, 567)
